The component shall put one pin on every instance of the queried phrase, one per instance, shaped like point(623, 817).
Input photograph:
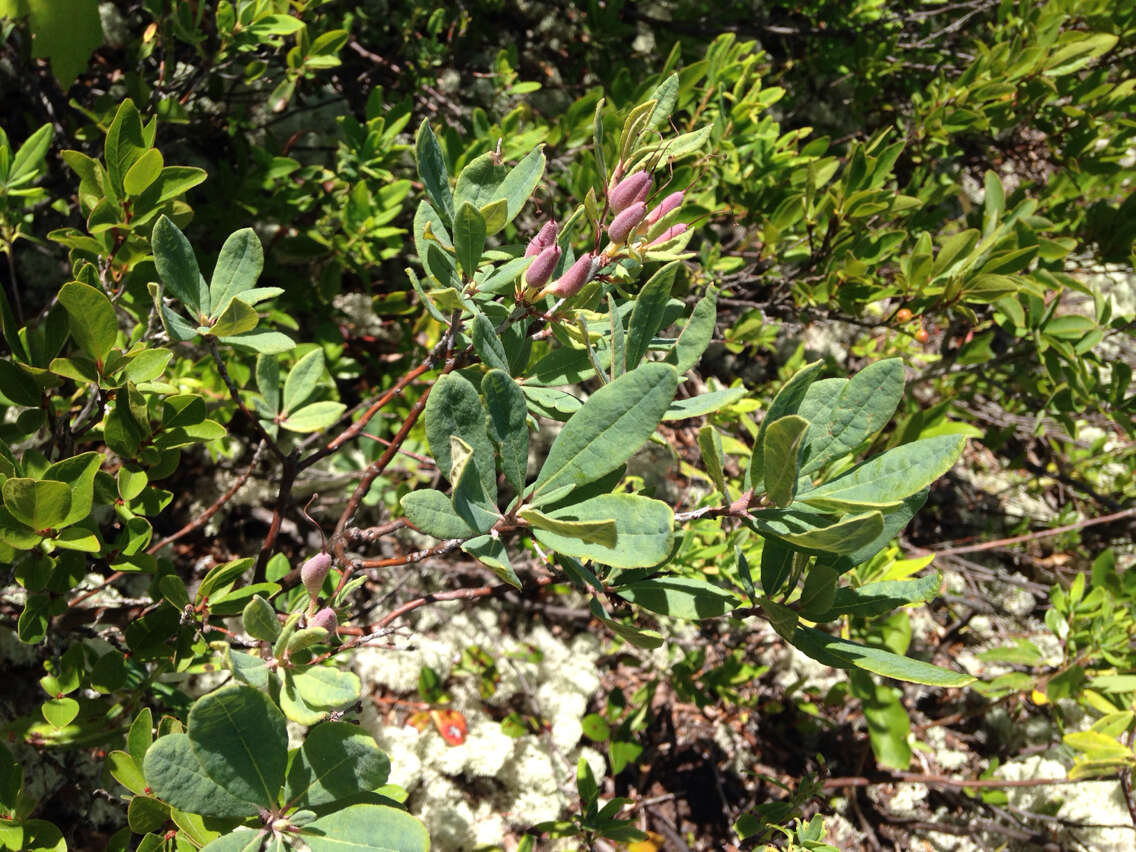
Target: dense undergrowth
point(649, 426)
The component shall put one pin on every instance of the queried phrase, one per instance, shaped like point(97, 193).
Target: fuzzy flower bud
point(544, 239)
point(623, 224)
point(665, 206)
point(579, 274)
point(314, 572)
point(326, 619)
point(541, 269)
point(630, 190)
point(669, 234)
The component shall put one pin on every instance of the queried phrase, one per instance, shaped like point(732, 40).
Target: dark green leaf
point(432, 170)
point(781, 452)
point(647, 315)
point(506, 424)
point(366, 828)
point(177, 267)
point(469, 238)
point(337, 760)
point(680, 597)
point(454, 408)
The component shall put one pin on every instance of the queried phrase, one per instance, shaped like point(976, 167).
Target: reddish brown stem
point(454, 595)
point(1018, 539)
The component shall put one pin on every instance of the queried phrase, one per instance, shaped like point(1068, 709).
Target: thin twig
point(1018, 539)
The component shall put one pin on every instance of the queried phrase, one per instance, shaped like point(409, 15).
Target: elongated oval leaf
point(614, 423)
point(647, 315)
point(41, 504)
point(782, 445)
point(454, 408)
point(644, 530)
point(898, 473)
point(697, 333)
point(303, 379)
point(238, 267)
point(703, 404)
point(506, 424)
point(177, 267)
point(432, 170)
point(787, 401)
point(432, 512)
point(680, 597)
point(840, 653)
point(819, 533)
point(469, 238)
point(312, 418)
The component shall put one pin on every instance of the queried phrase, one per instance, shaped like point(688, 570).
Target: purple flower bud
point(631, 190)
point(579, 274)
point(665, 206)
point(669, 234)
point(623, 224)
point(314, 572)
point(326, 619)
point(545, 238)
point(541, 269)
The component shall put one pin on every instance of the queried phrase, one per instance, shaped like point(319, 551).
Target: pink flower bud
point(630, 190)
point(545, 238)
point(314, 572)
point(665, 206)
point(669, 234)
point(541, 269)
point(326, 619)
point(579, 274)
point(623, 224)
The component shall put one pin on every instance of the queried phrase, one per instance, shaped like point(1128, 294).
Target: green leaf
point(143, 172)
point(337, 760)
point(644, 530)
point(303, 379)
point(237, 318)
point(78, 472)
point(818, 591)
point(881, 597)
point(60, 712)
point(589, 532)
point(781, 452)
point(264, 342)
point(488, 344)
point(65, 32)
point(239, 738)
point(776, 565)
point(480, 181)
point(846, 412)
point(896, 474)
point(703, 404)
point(259, 620)
point(93, 323)
point(614, 422)
point(432, 512)
point(366, 828)
point(126, 771)
point(710, 444)
point(840, 653)
point(469, 499)
point(803, 532)
point(490, 552)
point(18, 386)
point(647, 315)
point(125, 145)
point(680, 597)
point(696, 335)
point(145, 814)
point(238, 267)
point(887, 721)
point(432, 170)
point(29, 157)
point(787, 401)
point(454, 408)
point(141, 734)
point(147, 365)
point(328, 688)
point(520, 182)
point(176, 776)
point(177, 267)
point(506, 424)
point(41, 504)
point(469, 238)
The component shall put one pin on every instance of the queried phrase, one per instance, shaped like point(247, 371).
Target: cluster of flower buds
point(545, 253)
point(628, 200)
point(577, 275)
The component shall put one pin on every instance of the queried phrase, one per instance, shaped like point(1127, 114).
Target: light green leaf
point(147, 365)
point(781, 447)
point(703, 404)
point(177, 267)
point(696, 335)
point(259, 620)
point(78, 473)
point(520, 182)
point(29, 157)
point(143, 173)
point(814, 533)
point(680, 597)
point(66, 32)
point(93, 323)
point(176, 776)
point(238, 267)
point(898, 473)
point(506, 424)
point(41, 504)
point(614, 422)
point(264, 342)
point(644, 530)
point(469, 237)
point(236, 319)
point(337, 760)
point(366, 828)
point(303, 379)
point(469, 500)
point(787, 401)
point(589, 532)
point(314, 417)
point(840, 653)
point(490, 552)
point(432, 512)
point(710, 443)
point(328, 688)
point(125, 145)
point(480, 181)
point(488, 345)
point(874, 599)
